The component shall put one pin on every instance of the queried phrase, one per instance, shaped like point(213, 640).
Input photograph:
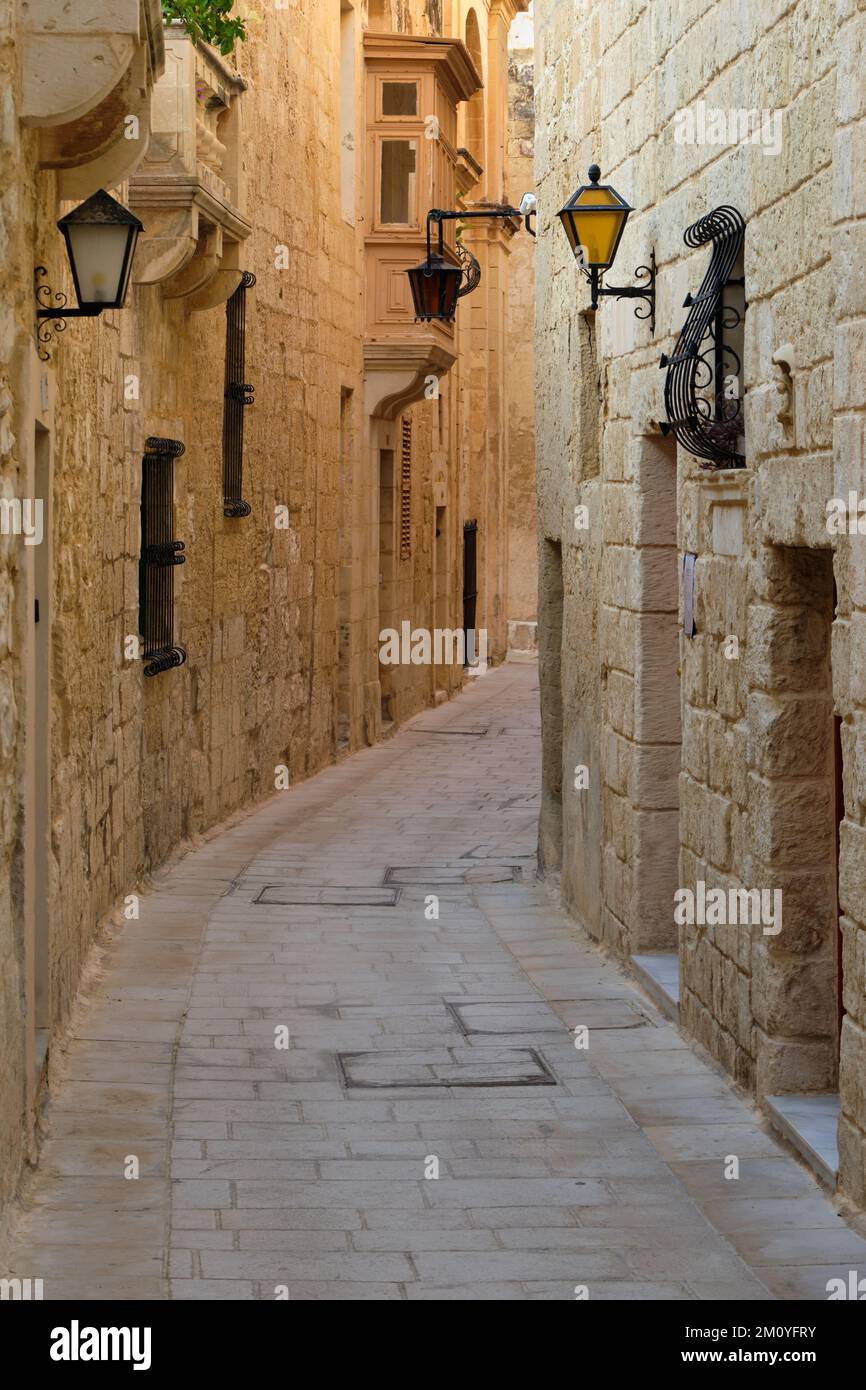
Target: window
point(406, 490)
point(237, 394)
point(397, 181)
point(160, 552)
point(399, 98)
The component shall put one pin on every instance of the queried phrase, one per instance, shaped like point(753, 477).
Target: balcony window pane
point(399, 98)
point(397, 200)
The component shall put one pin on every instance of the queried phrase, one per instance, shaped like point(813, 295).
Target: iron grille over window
point(160, 552)
point(470, 580)
point(406, 490)
point(703, 383)
point(238, 393)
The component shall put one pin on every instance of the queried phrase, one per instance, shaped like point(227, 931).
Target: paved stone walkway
point(268, 1170)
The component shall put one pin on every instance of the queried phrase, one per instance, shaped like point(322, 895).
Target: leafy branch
point(208, 20)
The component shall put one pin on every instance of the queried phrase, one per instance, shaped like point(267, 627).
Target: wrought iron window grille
point(470, 580)
point(703, 415)
point(160, 552)
point(406, 490)
point(238, 394)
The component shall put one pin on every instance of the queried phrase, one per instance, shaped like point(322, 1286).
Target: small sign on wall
point(689, 593)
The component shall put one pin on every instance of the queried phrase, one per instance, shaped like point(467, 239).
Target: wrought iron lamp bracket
point(645, 292)
point(471, 267)
point(51, 305)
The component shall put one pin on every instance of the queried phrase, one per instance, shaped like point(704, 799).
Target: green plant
point(208, 20)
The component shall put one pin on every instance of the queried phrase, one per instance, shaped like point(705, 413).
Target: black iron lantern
point(594, 220)
point(438, 283)
point(100, 238)
point(435, 286)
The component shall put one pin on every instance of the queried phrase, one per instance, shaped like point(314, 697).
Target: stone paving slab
point(207, 1048)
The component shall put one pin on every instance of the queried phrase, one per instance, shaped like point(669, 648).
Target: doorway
point(343, 721)
point(797, 808)
point(550, 620)
point(657, 733)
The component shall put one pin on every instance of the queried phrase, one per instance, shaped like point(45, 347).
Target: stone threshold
point(810, 1124)
point(659, 974)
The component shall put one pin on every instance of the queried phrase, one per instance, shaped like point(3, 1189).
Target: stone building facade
point(356, 482)
point(728, 754)
point(522, 547)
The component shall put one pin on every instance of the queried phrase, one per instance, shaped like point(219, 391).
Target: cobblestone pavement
point(270, 1171)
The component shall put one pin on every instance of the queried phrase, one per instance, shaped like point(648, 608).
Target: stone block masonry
point(729, 757)
point(256, 161)
point(263, 1176)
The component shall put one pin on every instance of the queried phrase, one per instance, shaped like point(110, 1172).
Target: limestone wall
point(522, 545)
point(711, 759)
point(280, 619)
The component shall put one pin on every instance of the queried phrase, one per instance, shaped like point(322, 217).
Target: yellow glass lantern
point(594, 219)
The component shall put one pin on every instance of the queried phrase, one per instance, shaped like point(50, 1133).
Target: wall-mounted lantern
point(594, 220)
point(100, 238)
point(436, 283)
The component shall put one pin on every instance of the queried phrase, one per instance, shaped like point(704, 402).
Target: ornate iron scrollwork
point(46, 298)
point(703, 416)
point(471, 270)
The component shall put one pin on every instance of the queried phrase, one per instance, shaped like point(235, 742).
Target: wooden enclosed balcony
point(413, 88)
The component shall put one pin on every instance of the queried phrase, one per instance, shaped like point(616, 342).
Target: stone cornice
point(508, 9)
point(450, 55)
point(396, 370)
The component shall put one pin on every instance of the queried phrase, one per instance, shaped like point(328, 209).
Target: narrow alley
point(291, 1078)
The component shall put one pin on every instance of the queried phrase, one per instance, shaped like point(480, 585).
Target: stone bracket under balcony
point(397, 374)
point(188, 191)
point(87, 75)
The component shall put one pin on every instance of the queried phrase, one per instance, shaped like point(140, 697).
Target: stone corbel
point(168, 243)
point(467, 173)
point(75, 55)
point(396, 374)
point(200, 270)
point(785, 360)
point(221, 284)
point(104, 147)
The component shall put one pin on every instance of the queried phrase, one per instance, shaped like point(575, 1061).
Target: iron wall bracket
point(645, 292)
